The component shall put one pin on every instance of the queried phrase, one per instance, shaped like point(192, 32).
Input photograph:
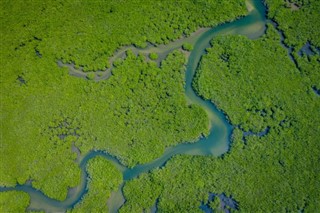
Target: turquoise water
point(215, 144)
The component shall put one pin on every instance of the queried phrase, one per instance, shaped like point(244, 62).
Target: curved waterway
point(215, 144)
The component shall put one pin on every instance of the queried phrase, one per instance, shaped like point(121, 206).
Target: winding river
point(216, 144)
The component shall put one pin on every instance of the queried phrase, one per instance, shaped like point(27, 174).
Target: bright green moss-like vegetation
point(264, 89)
point(13, 201)
point(187, 46)
point(141, 109)
point(104, 178)
point(90, 76)
point(153, 56)
point(89, 32)
point(299, 19)
point(258, 86)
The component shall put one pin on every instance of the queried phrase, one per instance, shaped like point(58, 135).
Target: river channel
point(215, 144)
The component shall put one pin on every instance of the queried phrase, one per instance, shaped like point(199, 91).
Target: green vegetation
point(138, 112)
point(240, 77)
point(258, 86)
point(215, 205)
point(187, 46)
point(88, 33)
point(91, 76)
point(141, 107)
point(104, 178)
point(13, 201)
point(299, 19)
point(309, 67)
point(153, 56)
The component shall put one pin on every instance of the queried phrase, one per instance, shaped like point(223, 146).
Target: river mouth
point(215, 144)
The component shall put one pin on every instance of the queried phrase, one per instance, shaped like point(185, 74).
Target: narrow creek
point(215, 144)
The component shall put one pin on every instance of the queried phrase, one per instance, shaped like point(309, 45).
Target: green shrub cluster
point(299, 19)
point(134, 115)
point(258, 86)
point(88, 33)
point(138, 112)
point(141, 109)
point(14, 201)
point(103, 179)
point(153, 56)
point(187, 46)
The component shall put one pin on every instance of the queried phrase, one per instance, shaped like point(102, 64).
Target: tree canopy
point(258, 86)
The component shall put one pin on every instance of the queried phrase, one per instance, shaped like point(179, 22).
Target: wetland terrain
point(176, 112)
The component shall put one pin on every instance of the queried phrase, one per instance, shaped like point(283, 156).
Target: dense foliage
point(140, 108)
point(299, 19)
point(239, 76)
point(89, 32)
point(187, 46)
point(138, 112)
point(258, 86)
point(103, 179)
point(13, 201)
point(153, 56)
